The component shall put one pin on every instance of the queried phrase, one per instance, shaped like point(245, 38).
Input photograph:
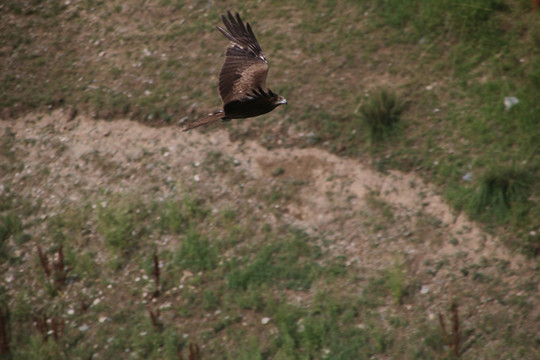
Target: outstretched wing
point(245, 66)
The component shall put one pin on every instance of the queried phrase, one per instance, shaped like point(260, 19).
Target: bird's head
point(278, 99)
point(281, 100)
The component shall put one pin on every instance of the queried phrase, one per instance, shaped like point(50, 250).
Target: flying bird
point(242, 81)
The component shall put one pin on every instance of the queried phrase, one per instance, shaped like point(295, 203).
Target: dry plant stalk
point(40, 322)
point(456, 334)
point(194, 353)
point(156, 275)
point(4, 331)
point(57, 329)
point(154, 317)
point(84, 305)
point(60, 271)
point(44, 262)
point(445, 333)
point(453, 341)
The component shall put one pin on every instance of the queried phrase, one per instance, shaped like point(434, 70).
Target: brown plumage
point(242, 81)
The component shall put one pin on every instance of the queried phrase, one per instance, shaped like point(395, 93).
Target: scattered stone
point(510, 102)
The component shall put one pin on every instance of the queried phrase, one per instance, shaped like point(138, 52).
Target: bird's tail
point(206, 120)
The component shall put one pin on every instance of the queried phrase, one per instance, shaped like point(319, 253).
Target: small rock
point(325, 351)
point(509, 102)
point(265, 320)
point(166, 305)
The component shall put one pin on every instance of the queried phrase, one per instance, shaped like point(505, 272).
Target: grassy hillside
point(417, 86)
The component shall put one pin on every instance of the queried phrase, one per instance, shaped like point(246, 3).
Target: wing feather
point(245, 67)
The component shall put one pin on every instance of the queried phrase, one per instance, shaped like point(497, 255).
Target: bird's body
point(242, 80)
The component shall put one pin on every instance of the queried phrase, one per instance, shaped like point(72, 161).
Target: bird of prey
point(242, 81)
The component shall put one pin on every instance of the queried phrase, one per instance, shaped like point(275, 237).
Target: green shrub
point(381, 113)
point(501, 192)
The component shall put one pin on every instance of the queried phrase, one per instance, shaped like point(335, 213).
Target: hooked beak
point(282, 101)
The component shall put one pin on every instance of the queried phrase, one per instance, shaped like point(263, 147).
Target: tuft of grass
point(381, 114)
point(10, 224)
point(172, 218)
point(288, 263)
point(122, 225)
point(501, 193)
point(396, 282)
point(197, 253)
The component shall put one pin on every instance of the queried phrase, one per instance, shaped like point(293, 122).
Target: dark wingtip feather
point(240, 33)
point(249, 29)
point(239, 19)
point(224, 18)
point(232, 21)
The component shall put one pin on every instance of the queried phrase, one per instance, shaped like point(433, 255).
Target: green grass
point(502, 194)
point(287, 263)
point(10, 224)
point(177, 217)
point(381, 114)
point(396, 282)
point(474, 20)
point(197, 253)
point(120, 225)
